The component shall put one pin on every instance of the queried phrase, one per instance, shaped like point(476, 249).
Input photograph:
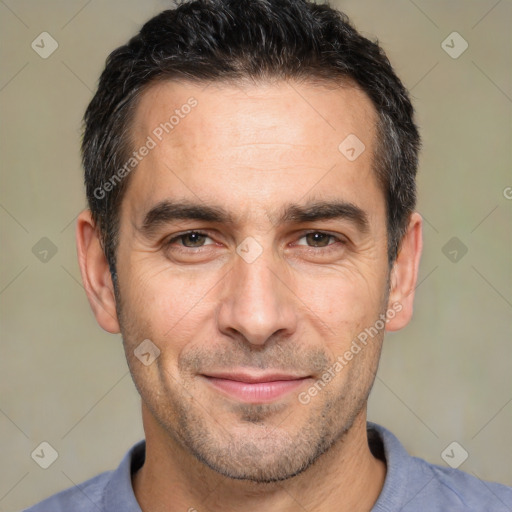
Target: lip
point(254, 388)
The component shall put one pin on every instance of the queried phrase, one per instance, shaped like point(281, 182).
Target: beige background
point(446, 377)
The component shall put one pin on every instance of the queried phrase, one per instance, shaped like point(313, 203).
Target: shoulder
point(108, 491)
point(84, 497)
point(414, 484)
point(452, 486)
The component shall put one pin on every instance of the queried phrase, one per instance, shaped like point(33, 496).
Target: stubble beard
point(260, 449)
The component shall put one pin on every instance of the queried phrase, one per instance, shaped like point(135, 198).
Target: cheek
point(346, 298)
point(166, 304)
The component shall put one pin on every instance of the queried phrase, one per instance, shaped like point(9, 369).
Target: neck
point(345, 478)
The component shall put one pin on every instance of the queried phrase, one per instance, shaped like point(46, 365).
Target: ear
point(96, 273)
point(404, 275)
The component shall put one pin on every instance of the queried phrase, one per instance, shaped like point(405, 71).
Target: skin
point(253, 149)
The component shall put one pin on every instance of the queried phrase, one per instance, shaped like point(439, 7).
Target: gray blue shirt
point(411, 484)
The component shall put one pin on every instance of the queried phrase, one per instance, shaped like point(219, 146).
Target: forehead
point(237, 142)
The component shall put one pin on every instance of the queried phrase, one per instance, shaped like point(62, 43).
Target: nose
point(257, 302)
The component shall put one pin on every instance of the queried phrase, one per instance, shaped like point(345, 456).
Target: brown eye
point(318, 239)
point(191, 239)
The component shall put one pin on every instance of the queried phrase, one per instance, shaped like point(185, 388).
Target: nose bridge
point(259, 282)
point(256, 303)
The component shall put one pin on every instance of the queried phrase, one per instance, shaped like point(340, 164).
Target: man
point(250, 171)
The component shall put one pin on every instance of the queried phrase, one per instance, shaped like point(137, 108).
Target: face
point(252, 252)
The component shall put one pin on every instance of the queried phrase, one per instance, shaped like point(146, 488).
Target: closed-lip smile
point(255, 387)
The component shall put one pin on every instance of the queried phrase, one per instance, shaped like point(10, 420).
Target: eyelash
point(325, 248)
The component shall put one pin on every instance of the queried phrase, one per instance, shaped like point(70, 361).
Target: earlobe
point(404, 275)
point(95, 273)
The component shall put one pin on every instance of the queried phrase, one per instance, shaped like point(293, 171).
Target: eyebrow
point(325, 210)
point(168, 211)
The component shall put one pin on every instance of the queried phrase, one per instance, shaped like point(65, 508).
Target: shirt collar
point(119, 495)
